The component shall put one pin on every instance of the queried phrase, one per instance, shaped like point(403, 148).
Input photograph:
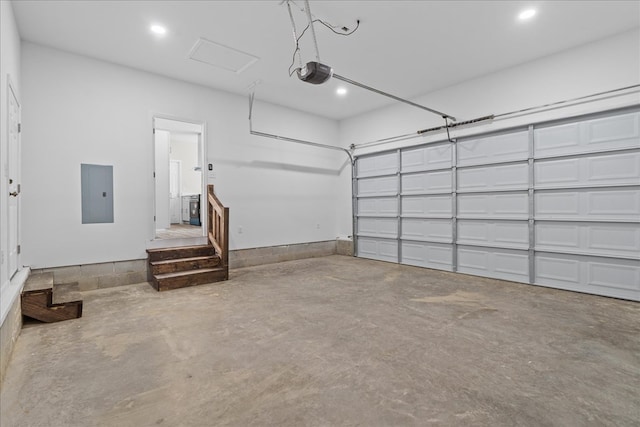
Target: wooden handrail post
point(218, 224)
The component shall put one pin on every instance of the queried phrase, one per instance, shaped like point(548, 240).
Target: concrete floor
point(332, 341)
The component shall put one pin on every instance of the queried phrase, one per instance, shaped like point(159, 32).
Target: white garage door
point(554, 205)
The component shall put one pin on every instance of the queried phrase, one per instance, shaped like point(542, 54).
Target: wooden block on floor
point(39, 305)
point(37, 301)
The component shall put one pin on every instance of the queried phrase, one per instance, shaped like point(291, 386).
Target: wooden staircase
point(172, 268)
point(37, 301)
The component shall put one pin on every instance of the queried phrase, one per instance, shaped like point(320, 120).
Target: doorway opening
point(179, 181)
point(13, 175)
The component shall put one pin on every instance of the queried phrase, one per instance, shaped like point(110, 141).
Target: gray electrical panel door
point(97, 193)
point(551, 204)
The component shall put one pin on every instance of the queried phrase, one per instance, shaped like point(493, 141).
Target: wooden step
point(37, 301)
point(38, 282)
point(182, 279)
point(66, 292)
point(180, 252)
point(184, 264)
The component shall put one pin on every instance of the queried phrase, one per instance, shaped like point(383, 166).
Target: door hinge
point(18, 188)
point(19, 127)
point(19, 249)
point(154, 218)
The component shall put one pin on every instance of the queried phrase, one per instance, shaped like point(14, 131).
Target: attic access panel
point(221, 56)
point(97, 193)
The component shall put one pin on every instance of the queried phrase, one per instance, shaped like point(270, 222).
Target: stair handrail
point(218, 224)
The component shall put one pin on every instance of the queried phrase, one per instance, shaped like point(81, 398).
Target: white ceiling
point(407, 48)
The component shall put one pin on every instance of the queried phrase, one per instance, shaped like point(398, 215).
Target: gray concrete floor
point(332, 341)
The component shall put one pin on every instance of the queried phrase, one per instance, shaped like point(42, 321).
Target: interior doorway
point(179, 181)
point(13, 171)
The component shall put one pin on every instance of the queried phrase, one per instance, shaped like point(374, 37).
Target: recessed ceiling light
point(342, 91)
point(159, 30)
point(527, 14)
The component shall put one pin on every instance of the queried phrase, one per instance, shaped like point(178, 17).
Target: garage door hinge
point(154, 218)
point(154, 174)
point(19, 249)
point(19, 127)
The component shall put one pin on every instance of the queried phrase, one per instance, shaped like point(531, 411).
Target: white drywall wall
point(9, 68)
point(80, 110)
point(604, 65)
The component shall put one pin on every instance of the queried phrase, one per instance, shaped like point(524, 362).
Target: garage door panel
point(557, 140)
point(379, 249)
point(427, 206)
point(585, 204)
point(505, 234)
point(623, 130)
point(429, 255)
point(382, 164)
point(496, 263)
point(378, 227)
point(490, 206)
point(426, 158)
point(384, 186)
point(493, 149)
point(613, 169)
point(383, 206)
point(433, 230)
point(594, 239)
point(429, 182)
point(607, 133)
point(602, 276)
point(613, 275)
point(506, 177)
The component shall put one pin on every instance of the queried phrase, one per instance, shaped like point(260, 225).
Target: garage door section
point(587, 205)
point(377, 192)
point(426, 206)
point(554, 205)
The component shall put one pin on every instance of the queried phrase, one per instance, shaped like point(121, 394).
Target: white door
point(14, 174)
point(174, 191)
point(162, 138)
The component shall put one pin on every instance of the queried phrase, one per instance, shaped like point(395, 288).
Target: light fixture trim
point(159, 30)
point(527, 14)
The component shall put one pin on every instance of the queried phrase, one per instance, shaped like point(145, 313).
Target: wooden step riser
point(178, 253)
point(39, 306)
point(179, 265)
point(190, 280)
point(38, 298)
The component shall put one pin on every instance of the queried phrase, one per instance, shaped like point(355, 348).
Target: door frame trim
point(12, 92)
point(202, 138)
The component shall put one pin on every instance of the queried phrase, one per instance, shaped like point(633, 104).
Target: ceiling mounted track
point(315, 72)
point(397, 98)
